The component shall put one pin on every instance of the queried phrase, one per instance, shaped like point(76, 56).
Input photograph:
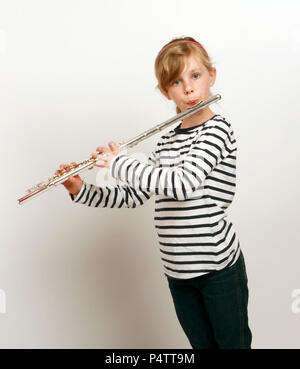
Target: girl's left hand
point(105, 155)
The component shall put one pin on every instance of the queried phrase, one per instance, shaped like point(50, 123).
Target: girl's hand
point(73, 183)
point(105, 155)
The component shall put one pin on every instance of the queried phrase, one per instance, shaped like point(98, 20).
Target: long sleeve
point(210, 147)
point(119, 196)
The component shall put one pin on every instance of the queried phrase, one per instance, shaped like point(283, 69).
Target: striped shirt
point(192, 174)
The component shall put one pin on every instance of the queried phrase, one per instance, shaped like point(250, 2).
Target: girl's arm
point(213, 144)
point(118, 196)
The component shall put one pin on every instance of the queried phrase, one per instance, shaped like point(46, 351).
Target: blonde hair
point(169, 62)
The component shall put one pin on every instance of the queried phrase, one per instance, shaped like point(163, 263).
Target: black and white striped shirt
point(192, 173)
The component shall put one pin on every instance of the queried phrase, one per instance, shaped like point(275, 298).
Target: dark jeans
point(212, 309)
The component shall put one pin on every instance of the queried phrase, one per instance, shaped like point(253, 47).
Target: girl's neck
point(197, 118)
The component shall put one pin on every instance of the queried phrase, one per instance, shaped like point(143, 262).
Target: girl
point(191, 172)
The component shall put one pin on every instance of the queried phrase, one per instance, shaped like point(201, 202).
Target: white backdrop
point(76, 74)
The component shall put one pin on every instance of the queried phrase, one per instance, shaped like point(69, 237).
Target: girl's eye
point(195, 75)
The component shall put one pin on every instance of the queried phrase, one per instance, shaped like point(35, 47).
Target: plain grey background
point(77, 74)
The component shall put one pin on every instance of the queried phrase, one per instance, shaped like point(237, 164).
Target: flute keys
point(37, 187)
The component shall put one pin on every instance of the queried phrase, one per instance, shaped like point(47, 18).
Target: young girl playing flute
point(192, 174)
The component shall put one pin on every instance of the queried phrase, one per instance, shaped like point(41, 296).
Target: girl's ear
point(164, 92)
point(212, 75)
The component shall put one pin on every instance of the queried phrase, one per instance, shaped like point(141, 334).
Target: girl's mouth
point(192, 102)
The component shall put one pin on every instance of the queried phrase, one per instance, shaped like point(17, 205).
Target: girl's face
point(193, 85)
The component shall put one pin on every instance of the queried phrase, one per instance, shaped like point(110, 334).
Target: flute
point(89, 163)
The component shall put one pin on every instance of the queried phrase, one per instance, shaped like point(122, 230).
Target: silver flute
point(89, 163)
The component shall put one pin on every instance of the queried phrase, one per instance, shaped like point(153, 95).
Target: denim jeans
point(212, 309)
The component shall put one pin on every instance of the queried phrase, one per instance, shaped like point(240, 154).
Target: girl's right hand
point(74, 183)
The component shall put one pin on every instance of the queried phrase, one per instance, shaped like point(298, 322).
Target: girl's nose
point(188, 90)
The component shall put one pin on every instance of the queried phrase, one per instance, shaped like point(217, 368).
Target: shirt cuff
point(77, 197)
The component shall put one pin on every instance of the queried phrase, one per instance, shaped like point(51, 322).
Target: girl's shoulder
point(220, 118)
point(218, 125)
point(219, 121)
